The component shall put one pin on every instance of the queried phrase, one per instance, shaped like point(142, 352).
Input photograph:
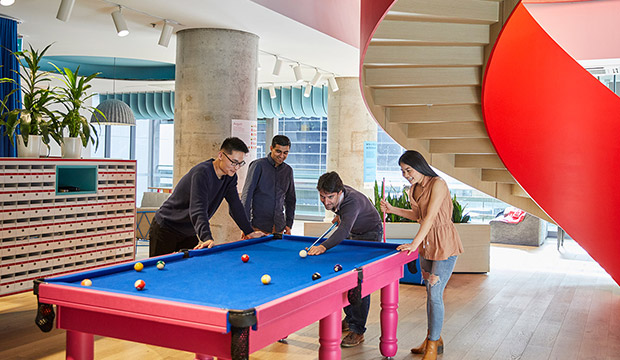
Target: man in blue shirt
point(182, 221)
point(358, 220)
point(269, 191)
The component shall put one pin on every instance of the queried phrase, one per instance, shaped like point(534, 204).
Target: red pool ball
point(139, 284)
point(245, 258)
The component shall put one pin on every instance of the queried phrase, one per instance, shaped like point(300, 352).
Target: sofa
point(531, 231)
point(151, 201)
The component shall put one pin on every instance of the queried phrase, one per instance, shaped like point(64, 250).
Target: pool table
point(209, 302)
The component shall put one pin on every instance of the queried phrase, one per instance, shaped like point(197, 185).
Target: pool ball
point(303, 253)
point(337, 267)
point(316, 276)
point(138, 266)
point(139, 284)
point(265, 279)
point(245, 258)
point(86, 282)
point(160, 264)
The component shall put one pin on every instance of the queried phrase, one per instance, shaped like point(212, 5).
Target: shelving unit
point(45, 232)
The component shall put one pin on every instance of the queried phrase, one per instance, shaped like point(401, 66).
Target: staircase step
point(395, 55)
point(461, 146)
point(447, 130)
point(463, 11)
point(435, 113)
point(427, 95)
point(478, 161)
point(422, 76)
point(500, 176)
point(431, 33)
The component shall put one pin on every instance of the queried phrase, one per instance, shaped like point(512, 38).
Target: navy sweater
point(357, 216)
point(196, 198)
point(267, 192)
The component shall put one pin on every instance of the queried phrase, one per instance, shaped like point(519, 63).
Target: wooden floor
point(536, 303)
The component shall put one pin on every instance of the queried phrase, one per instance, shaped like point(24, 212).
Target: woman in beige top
point(437, 241)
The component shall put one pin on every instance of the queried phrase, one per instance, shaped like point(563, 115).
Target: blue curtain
point(8, 43)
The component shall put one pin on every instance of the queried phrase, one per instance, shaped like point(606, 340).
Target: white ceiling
point(90, 32)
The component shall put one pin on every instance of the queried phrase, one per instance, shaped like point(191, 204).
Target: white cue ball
point(303, 253)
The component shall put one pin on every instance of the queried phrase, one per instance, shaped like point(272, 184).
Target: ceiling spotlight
point(64, 11)
point(297, 70)
point(332, 83)
point(307, 90)
point(7, 2)
point(316, 78)
point(272, 91)
point(119, 22)
point(166, 33)
point(277, 67)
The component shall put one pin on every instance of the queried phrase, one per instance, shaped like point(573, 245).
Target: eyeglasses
point(234, 162)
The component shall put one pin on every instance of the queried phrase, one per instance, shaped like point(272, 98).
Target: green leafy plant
point(73, 96)
point(401, 201)
point(457, 212)
point(33, 116)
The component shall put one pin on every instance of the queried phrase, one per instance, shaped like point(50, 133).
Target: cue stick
point(322, 236)
point(384, 214)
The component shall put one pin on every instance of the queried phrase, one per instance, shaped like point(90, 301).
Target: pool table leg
point(80, 346)
point(389, 320)
point(330, 331)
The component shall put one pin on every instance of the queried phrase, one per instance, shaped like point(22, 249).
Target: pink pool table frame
point(204, 330)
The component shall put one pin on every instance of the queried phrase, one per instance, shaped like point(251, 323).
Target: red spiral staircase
point(491, 100)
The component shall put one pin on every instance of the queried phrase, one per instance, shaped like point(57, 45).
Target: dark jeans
point(163, 240)
point(358, 314)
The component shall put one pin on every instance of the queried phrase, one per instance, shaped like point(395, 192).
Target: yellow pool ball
point(87, 282)
point(138, 266)
point(265, 279)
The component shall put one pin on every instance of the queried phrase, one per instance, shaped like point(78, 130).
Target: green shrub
point(401, 201)
point(457, 212)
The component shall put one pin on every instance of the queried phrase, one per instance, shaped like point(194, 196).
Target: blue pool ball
point(316, 276)
point(337, 267)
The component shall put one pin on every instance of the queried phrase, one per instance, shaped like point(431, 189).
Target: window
point(307, 157)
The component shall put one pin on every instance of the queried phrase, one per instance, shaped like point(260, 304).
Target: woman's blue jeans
point(436, 274)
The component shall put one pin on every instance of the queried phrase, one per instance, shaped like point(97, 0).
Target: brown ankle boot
point(422, 348)
point(432, 349)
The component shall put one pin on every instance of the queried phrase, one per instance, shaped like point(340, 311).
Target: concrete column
point(349, 125)
point(216, 82)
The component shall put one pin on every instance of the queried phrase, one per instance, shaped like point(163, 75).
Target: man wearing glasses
point(182, 221)
point(269, 190)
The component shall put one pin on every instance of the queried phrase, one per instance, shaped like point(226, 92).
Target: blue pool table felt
point(217, 277)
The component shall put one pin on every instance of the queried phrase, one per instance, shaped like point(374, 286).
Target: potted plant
point(33, 117)
point(457, 212)
point(400, 201)
point(73, 97)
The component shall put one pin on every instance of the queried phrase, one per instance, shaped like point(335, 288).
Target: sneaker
point(352, 339)
point(345, 326)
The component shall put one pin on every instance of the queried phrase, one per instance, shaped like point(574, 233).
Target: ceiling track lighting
point(272, 91)
point(277, 67)
point(65, 9)
point(316, 78)
point(298, 76)
point(332, 83)
point(119, 22)
point(166, 34)
point(307, 90)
